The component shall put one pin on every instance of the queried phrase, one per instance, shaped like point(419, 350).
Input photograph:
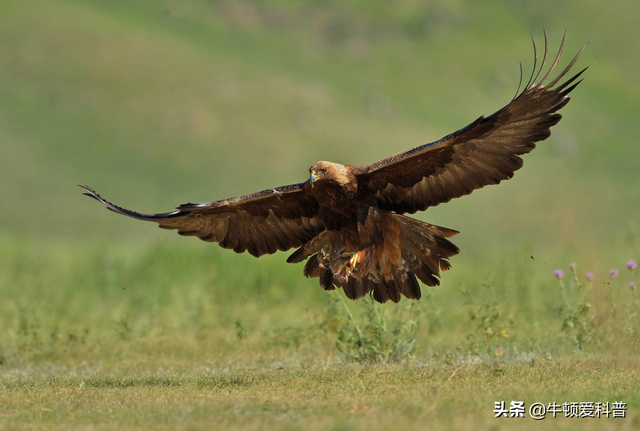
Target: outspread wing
point(260, 223)
point(484, 152)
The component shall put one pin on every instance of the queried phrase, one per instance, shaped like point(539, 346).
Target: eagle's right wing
point(260, 223)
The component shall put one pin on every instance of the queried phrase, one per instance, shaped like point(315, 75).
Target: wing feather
point(260, 223)
point(485, 152)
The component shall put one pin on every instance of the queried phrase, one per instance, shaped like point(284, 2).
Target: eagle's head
point(327, 171)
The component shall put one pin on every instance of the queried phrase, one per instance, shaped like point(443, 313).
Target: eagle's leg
point(341, 263)
point(347, 265)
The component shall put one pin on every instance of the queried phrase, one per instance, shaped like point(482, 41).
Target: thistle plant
point(632, 266)
point(576, 311)
point(632, 308)
point(582, 323)
point(560, 275)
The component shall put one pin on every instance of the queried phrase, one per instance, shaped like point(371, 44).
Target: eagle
point(349, 223)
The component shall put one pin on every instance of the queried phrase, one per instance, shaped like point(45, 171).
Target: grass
point(134, 345)
point(317, 397)
point(107, 323)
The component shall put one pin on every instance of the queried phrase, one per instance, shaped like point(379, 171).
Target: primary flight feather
point(348, 222)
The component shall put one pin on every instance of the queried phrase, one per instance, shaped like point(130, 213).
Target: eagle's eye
point(323, 170)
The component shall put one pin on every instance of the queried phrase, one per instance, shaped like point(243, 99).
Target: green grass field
point(108, 323)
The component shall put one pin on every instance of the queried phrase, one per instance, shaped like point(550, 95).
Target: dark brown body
point(367, 249)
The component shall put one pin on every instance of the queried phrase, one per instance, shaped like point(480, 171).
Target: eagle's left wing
point(260, 223)
point(484, 152)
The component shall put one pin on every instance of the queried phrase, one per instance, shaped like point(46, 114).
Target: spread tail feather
point(424, 253)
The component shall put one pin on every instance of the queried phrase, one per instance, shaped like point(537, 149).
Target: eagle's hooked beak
point(316, 175)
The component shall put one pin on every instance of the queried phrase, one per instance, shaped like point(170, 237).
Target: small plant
point(633, 285)
point(241, 331)
point(632, 308)
point(577, 319)
point(376, 339)
point(491, 331)
point(621, 308)
point(123, 328)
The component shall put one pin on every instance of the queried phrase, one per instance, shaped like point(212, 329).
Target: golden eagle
point(348, 221)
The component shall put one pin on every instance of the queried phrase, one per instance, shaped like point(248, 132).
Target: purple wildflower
point(589, 276)
point(632, 285)
point(631, 266)
point(613, 273)
point(572, 267)
point(558, 274)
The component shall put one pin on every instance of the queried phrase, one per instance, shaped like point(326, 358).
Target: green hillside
point(155, 105)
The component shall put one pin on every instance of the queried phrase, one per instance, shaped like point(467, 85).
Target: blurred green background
point(157, 103)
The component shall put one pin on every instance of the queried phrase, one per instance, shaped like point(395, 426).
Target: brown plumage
point(347, 221)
